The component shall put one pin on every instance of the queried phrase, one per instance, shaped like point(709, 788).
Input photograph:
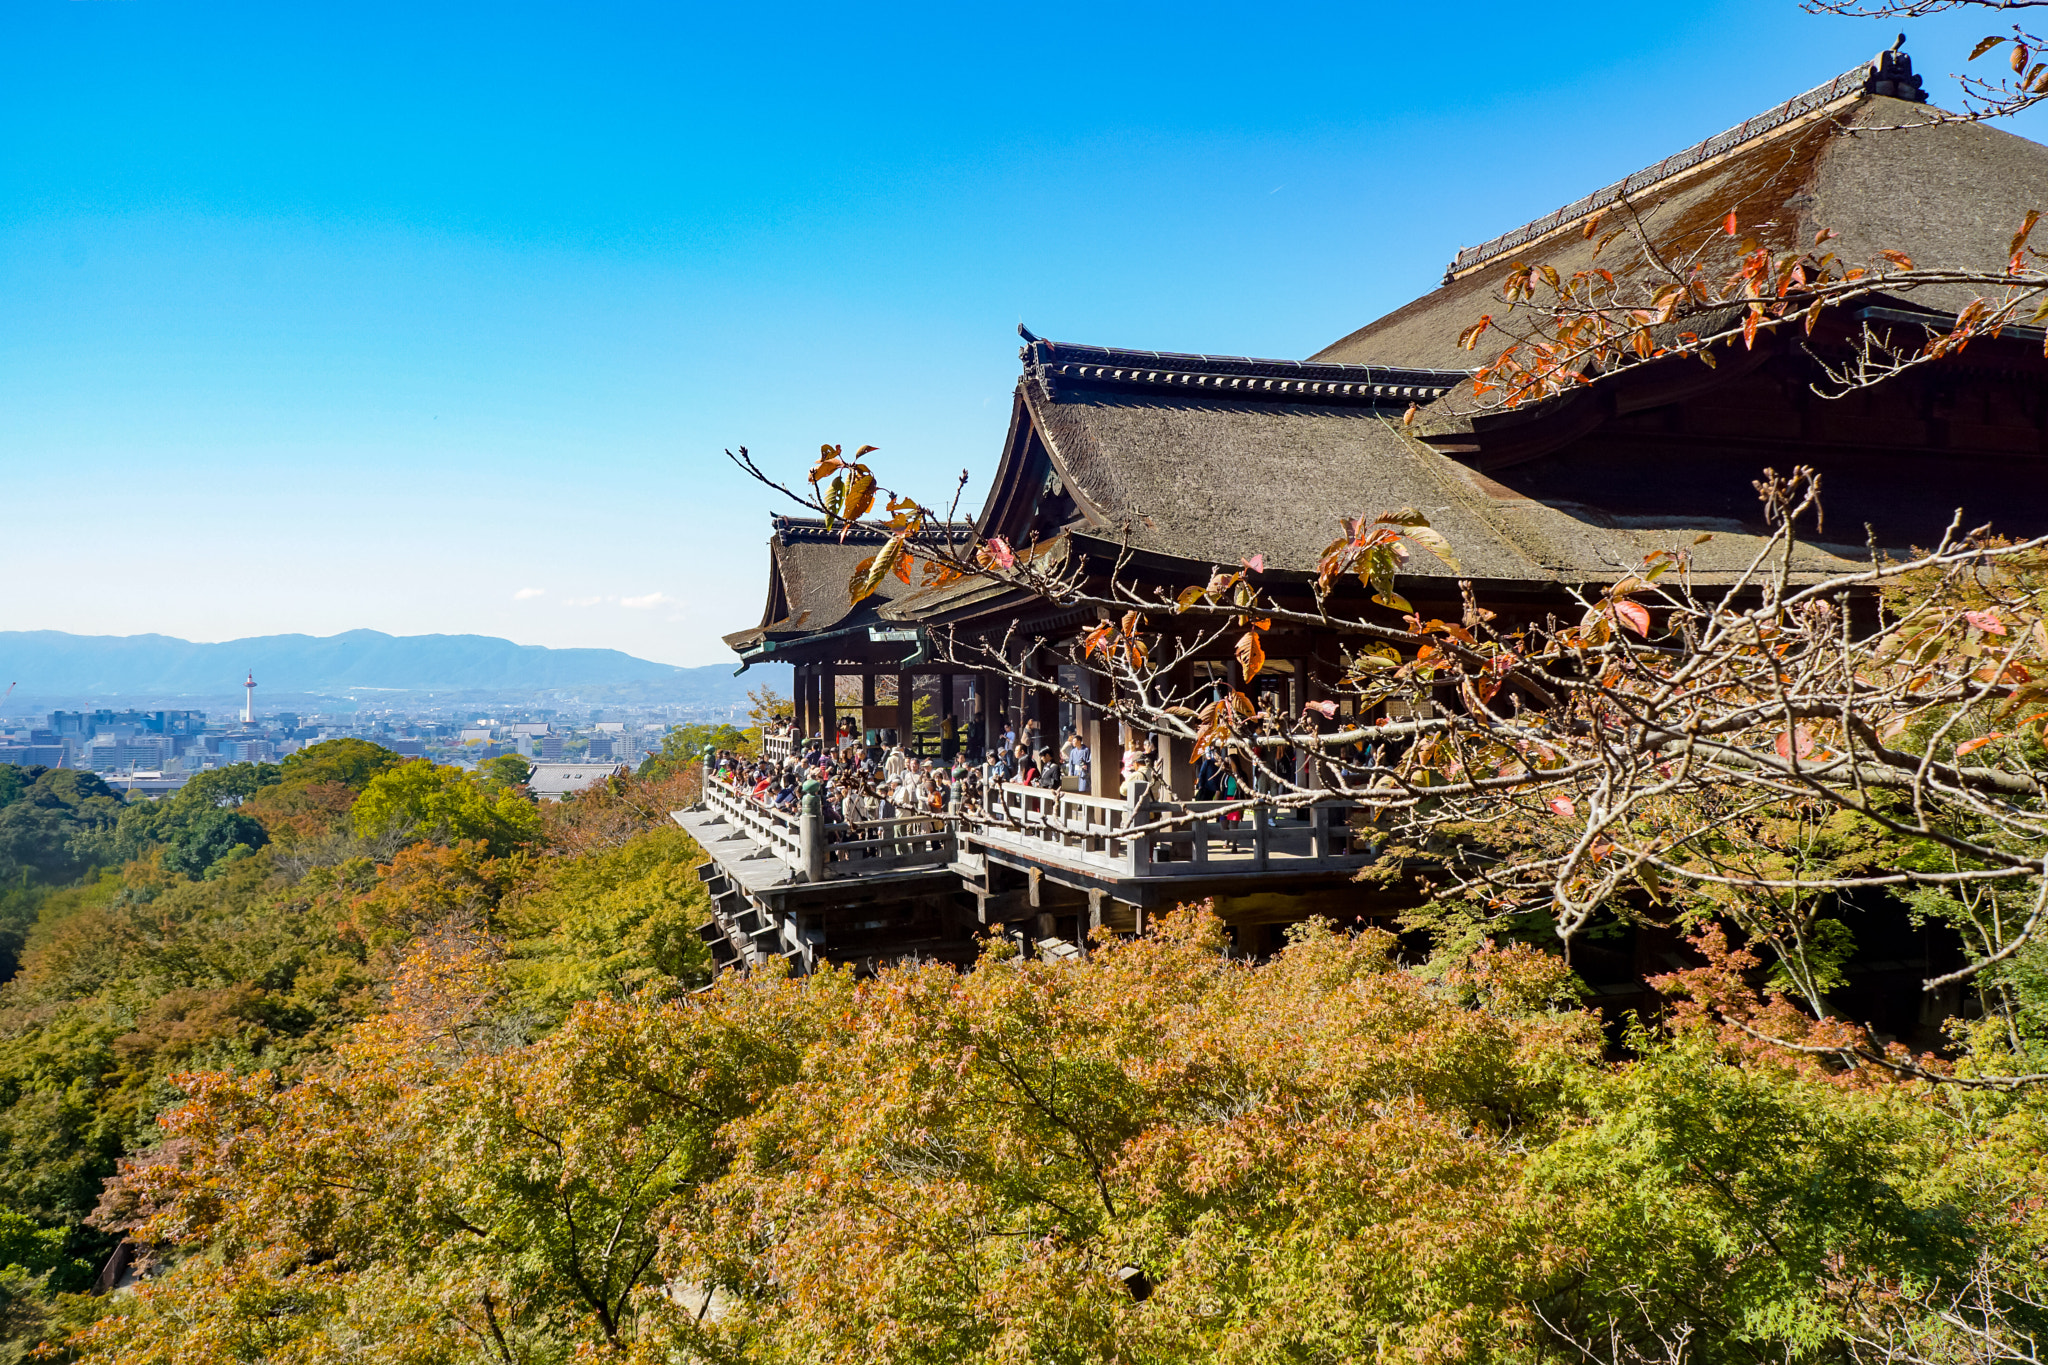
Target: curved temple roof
point(1191, 459)
point(1888, 73)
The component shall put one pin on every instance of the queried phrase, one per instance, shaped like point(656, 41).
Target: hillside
point(53, 663)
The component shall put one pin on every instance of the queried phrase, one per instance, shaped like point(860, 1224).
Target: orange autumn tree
point(1157, 1155)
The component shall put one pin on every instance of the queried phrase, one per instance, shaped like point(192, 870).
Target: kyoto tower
point(249, 699)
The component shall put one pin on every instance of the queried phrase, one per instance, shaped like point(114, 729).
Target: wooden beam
point(1000, 907)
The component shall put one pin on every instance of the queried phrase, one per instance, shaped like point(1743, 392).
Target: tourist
point(1075, 753)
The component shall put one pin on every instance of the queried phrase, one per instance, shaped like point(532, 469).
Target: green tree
point(145, 825)
point(56, 826)
point(444, 804)
point(211, 838)
point(347, 760)
point(1154, 1155)
point(425, 1200)
point(685, 745)
point(766, 705)
point(15, 781)
point(505, 772)
point(610, 924)
point(35, 1263)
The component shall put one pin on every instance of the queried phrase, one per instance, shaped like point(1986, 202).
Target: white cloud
point(526, 594)
point(650, 600)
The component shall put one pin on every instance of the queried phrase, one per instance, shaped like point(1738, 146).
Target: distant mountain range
point(49, 663)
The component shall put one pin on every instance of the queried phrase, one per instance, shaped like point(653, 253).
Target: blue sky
point(438, 317)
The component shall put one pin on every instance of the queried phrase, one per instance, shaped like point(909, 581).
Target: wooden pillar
point(1322, 675)
point(1045, 705)
point(1296, 765)
point(828, 701)
point(798, 703)
point(811, 831)
point(1177, 762)
point(1105, 745)
point(905, 704)
point(949, 717)
point(994, 703)
point(867, 700)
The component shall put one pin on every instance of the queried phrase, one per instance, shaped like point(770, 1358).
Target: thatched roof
point(1192, 460)
point(1940, 192)
point(809, 572)
point(1172, 473)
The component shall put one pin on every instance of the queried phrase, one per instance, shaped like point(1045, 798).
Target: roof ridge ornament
point(1323, 383)
point(1889, 73)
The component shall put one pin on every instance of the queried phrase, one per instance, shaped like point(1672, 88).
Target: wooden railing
point(822, 849)
point(1202, 841)
point(860, 848)
point(776, 831)
point(1193, 838)
point(777, 747)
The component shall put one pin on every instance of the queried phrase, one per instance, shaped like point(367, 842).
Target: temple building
point(1180, 463)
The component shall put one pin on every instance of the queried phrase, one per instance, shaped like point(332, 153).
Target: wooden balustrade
point(846, 849)
point(1095, 831)
point(776, 831)
point(1090, 832)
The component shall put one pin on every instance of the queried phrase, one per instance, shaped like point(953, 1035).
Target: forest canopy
point(247, 925)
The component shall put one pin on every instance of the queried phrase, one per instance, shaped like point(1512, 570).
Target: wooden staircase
point(739, 932)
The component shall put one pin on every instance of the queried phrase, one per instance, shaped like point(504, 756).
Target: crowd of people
point(865, 779)
point(871, 790)
point(861, 780)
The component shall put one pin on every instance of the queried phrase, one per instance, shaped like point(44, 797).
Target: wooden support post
point(812, 828)
point(821, 701)
point(905, 706)
point(998, 907)
point(993, 705)
point(1044, 705)
point(1294, 762)
point(1177, 762)
point(1316, 688)
point(1105, 747)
